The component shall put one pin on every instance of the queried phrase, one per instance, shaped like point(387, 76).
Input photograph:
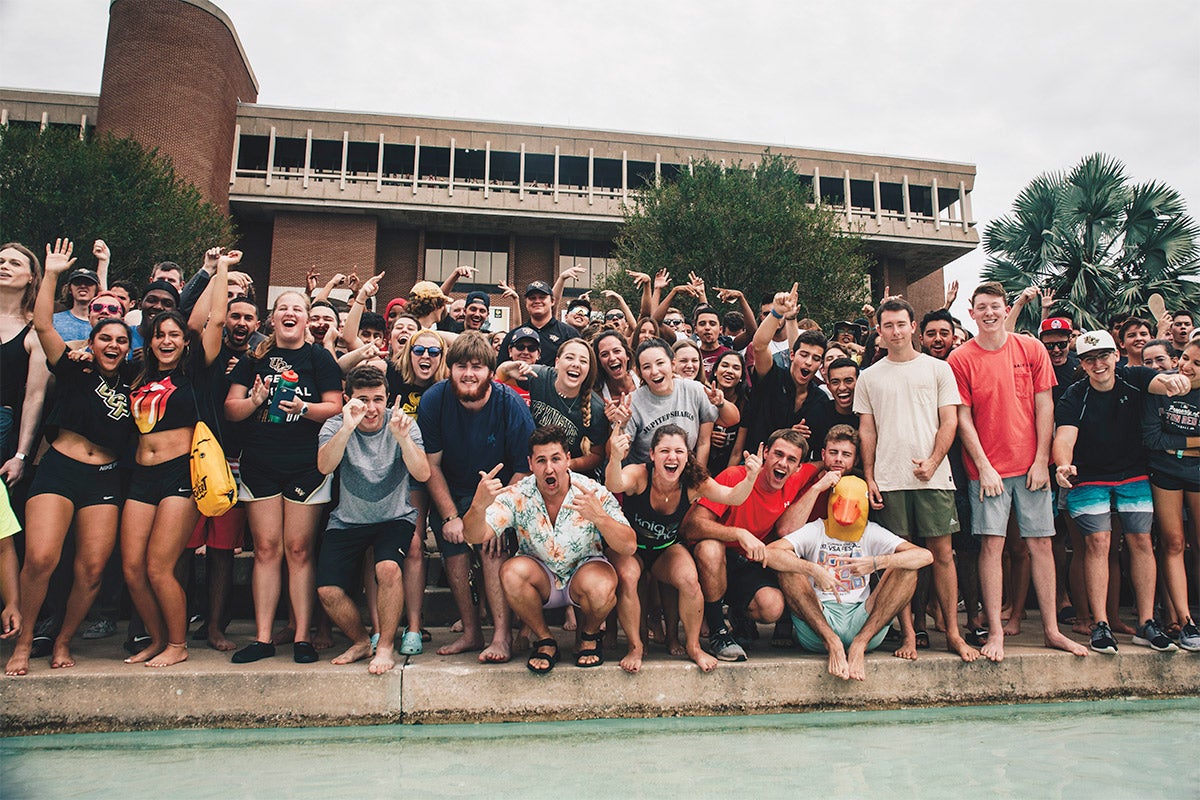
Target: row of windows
point(445, 252)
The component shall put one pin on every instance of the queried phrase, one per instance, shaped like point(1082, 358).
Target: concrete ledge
point(103, 694)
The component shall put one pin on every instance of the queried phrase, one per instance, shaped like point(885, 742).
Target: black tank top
point(14, 370)
point(655, 531)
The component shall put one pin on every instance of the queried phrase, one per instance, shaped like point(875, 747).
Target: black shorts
point(342, 550)
point(83, 484)
point(1173, 483)
point(650, 555)
point(744, 578)
point(169, 479)
point(260, 480)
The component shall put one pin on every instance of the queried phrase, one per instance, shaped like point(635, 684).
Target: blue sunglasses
point(420, 350)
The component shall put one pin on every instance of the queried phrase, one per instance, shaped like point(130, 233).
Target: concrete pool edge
point(102, 694)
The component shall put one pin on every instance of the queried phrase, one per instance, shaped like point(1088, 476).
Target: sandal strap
point(591, 637)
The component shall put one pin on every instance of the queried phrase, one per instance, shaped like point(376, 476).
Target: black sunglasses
point(674, 323)
point(1056, 345)
point(617, 315)
point(420, 350)
point(524, 348)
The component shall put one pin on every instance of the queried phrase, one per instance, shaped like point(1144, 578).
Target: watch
point(303, 409)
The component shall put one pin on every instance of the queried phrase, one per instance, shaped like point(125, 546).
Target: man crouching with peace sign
point(563, 521)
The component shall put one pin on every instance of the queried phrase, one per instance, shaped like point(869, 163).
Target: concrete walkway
point(102, 693)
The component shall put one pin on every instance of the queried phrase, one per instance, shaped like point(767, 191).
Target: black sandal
point(537, 655)
point(596, 652)
point(922, 640)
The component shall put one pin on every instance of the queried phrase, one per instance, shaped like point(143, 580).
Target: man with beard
point(729, 541)
point(707, 325)
point(551, 331)
point(470, 424)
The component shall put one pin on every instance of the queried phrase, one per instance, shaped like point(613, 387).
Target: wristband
point(1178, 454)
point(447, 519)
point(22, 456)
point(776, 314)
point(303, 409)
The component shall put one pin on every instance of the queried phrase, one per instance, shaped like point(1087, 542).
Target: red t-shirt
point(1000, 386)
point(761, 509)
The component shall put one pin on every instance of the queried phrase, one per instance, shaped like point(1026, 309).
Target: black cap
point(846, 325)
point(526, 332)
point(538, 287)
point(84, 275)
point(163, 286)
point(479, 297)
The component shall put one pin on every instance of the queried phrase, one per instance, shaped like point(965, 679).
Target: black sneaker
point(725, 648)
point(1149, 634)
point(1102, 639)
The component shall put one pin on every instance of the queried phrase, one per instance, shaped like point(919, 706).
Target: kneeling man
point(824, 571)
point(563, 521)
point(373, 512)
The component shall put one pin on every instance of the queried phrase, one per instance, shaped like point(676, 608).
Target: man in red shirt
point(729, 542)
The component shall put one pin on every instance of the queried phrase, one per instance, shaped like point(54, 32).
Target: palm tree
point(1102, 245)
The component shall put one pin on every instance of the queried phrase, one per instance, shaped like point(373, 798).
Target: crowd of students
point(683, 479)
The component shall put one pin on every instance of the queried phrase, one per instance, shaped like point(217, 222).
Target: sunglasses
point(104, 308)
point(611, 317)
point(1056, 345)
point(420, 350)
point(674, 323)
point(525, 348)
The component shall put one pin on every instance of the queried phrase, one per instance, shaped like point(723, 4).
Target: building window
point(596, 258)
point(444, 252)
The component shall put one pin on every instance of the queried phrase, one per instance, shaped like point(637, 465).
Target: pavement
point(101, 693)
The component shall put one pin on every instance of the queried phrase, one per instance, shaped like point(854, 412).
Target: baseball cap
point(84, 275)
point(846, 325)
point(537, 287)
point(427, 289)
point(525, 332)
point(1056, 325)
point(1090, 341)
point(479, 297)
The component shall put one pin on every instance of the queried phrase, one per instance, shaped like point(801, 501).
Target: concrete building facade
point(417, 196)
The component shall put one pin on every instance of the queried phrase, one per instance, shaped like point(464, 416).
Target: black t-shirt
point(770, 408)
point(550, 408)
point(553, 334)
point(173, 400)
point(292, 443)
point(1109, 446)
point(95, 407)
point(409, 393)
point(1067, 374)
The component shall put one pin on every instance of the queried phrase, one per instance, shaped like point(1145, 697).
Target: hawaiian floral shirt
point(561, 545)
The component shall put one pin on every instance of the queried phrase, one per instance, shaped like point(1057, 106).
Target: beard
point(470, 394)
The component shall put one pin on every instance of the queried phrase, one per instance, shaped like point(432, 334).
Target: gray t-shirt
point(374, 480)
point(687, 406)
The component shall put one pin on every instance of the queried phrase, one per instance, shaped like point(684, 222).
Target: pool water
point(1115, 748)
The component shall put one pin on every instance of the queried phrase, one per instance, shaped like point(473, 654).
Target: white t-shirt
point(904, 398)
point(811, 544)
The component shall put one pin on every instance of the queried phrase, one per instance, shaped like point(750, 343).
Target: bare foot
point(145, 655)
point(497, 652)
point(856, 663)
point(964, 650)
point(838, 666)
point(632, 662)
point(1013, 626)
point(18, 662)
point(61, 657)
point(457, 626)
point(1082, 626)
point(907, 650)
point(703, 660)
point(993, 648)
point(463, 644)
point(1059, 642)
point(323, 638)
point(285, 636)
point(356, 652)
point(218, 641)
point(172, 654)
point(569, 623)
point(676, 648)
point(383, 661)
point(1117, 626)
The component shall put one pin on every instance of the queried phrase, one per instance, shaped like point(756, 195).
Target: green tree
point(756, 230)
point(52, 184)
point(1102, 244)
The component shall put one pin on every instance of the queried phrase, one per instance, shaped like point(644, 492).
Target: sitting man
point(374, 450)
point(824, 570)
point(729, 541)
point(563, 521)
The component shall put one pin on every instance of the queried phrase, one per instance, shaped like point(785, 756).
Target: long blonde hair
point(406, 371)
point(265, 346)
point(585, 391)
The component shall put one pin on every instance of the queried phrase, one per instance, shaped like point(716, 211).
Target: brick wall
point(398, 256)
point(334, 243)
point(533, 261)
point(173, 76)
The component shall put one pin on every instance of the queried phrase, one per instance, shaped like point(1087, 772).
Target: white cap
point(1094, 340)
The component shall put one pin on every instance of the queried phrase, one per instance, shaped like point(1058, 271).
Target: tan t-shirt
point(904, 398)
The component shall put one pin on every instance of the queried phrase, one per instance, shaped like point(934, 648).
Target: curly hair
point(693, 473)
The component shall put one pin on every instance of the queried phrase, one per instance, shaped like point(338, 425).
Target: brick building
point(417, 196)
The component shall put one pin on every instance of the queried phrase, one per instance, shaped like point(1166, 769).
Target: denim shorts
point(1035, 512)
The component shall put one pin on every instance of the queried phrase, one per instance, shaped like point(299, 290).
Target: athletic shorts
point(226, 532)
point(560, 589)
point(1091, 505)
point(744, 578)
point(1035, 513)
point(448, 549)
point(649, 555)
point(83, 484)
point(1174, 483)
point(172, 478)
point(342, 550)
point(918, 513)
point(964, 542)
point(846, 619)
point(262, 481)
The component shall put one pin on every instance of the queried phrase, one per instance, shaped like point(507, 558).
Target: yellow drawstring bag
point(213, 485)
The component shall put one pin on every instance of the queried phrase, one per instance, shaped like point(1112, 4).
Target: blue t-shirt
point(470, 441)
point(70, 327)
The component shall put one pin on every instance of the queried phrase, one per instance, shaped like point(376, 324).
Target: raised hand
point(618, 446)
point(639, 278)
point(352, 413)
point(310, 279)
point(784, 303)
point(338, 279)
point(400, 423)
point(58, 260)
point(573, 273)
point(662, 279)
point(619, 410)
point(489, 487)
point(371, 287)
point(951, 293)
point(352, 281)
point(100, 251)
point(729, 295)
point(508, 291)
point(753, 462)
point(210, 257)
point(464, 271)
point(260, 391)
point(242, 281)
point(715, 395)
point(230, 258)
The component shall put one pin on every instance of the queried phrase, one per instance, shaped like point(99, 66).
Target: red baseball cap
point(1055, 324)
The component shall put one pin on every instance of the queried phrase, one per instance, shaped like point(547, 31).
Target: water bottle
point(285, 389)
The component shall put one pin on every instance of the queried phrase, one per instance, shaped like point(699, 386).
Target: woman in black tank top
point(23, 373)
point(657, 497)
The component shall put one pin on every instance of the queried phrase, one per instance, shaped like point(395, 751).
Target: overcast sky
point(1016, 88)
